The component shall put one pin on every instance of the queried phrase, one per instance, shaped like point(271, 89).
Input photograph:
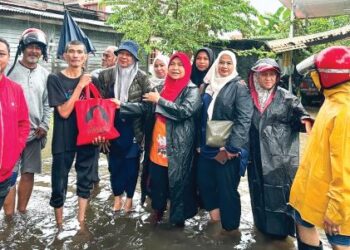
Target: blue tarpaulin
point(71, 31)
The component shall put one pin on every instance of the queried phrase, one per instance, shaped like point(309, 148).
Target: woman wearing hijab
point(127, 83)
point(169, 141)
point(274, 147)
point(203, 60)
point(226, 98)
point(160, 70)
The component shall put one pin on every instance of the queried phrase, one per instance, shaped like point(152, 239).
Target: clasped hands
point(102, 143)
point(223, 156)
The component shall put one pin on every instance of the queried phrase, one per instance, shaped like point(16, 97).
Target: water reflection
point(105, 229)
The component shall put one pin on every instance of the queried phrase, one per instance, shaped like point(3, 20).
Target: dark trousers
point(4, 190)
point(61, 165)
point(218, 186)
point(124, 173)
point(95, 177)
point(159, 186)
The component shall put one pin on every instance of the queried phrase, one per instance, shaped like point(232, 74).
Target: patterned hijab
point(262, 97)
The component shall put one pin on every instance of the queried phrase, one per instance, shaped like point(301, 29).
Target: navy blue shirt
point(206, 151)
point(125, 144)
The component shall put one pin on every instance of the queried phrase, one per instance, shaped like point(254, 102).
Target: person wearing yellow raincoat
point(320, 192)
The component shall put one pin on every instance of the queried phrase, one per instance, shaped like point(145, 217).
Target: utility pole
point(291, 35)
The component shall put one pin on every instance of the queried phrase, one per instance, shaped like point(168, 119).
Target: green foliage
point(185, 25)
point(259, 53)
point(274, 25)
point(324, 24)
point(277, 25)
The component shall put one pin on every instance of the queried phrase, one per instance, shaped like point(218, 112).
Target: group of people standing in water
point(164, 119)
point(266, 122)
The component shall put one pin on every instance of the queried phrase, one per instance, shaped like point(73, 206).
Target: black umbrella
point(71, 31)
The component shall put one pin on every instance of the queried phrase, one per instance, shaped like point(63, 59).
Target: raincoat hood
point(321, 187)
point(264, 65)
point(261, 97)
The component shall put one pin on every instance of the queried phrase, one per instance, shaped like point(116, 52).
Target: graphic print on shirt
point(161, 150)
point(69, 93)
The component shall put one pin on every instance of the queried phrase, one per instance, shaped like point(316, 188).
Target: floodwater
point(105, 230)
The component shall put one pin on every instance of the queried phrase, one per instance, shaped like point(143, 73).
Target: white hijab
point(123, 80)
point(215, 81)
point(155, 81)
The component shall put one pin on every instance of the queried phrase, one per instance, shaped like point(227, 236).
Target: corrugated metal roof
point(282, 45)
point(49, 15)
point(318, 8)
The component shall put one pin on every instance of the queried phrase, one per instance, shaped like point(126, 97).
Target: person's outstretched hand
point(308, 125)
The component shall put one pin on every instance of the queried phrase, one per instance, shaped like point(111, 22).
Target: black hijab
point(197, 76)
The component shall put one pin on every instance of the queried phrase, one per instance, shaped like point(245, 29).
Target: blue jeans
point(340, 240)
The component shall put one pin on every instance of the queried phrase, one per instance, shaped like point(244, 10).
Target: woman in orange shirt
point(169, 144)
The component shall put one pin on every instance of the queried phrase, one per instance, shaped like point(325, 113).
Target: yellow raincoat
point(322, 184)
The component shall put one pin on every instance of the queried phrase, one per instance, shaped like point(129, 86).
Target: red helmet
point(333, 66)
point(33, 35)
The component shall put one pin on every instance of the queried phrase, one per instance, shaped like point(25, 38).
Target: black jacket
point(274, 149)
point(139, 86)
point(234, 103)
point(180, 137)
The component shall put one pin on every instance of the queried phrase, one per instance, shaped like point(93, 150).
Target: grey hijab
point(124, 78)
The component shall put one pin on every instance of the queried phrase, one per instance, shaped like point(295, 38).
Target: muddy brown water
point(105, 230)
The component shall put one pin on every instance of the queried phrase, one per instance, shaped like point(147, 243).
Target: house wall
point(12, 28)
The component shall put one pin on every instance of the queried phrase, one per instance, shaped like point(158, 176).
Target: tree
point(275, 25)
point(325, 24)
point(185, 25)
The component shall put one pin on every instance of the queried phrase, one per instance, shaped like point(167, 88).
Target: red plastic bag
point(95, 117)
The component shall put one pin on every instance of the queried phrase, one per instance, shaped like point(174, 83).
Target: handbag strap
point(91, 88)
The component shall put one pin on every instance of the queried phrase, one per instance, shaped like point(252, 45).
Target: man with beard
point(32, 77)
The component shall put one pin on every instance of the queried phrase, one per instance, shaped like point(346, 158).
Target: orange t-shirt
point(158, 147)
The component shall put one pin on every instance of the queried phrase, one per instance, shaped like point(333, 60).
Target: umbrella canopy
point(71, 31)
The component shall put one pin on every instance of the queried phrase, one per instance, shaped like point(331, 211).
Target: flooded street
point(106, 230)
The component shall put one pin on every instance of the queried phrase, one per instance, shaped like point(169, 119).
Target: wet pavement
point(105, 230)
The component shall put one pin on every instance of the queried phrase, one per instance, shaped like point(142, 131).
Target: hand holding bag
point(217, 133)
point(95, 117)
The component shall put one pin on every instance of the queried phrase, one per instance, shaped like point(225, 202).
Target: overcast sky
point(266, 6)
